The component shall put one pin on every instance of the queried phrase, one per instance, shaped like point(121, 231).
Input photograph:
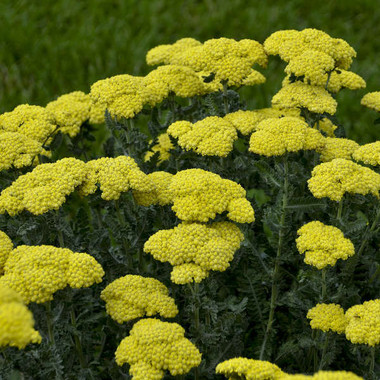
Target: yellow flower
point(70, 111)
point(131, 296)
point(333, 179)
point(324, 375)
point(337, 148)
point(210, 247)
point(114, 176)
point(43, 189)
point(6, 247)
point(327, 317)
point(344, 79)
point(276, 136)
point(34, 122)
point(371, 100)
point(323, 245)
point(163, 147)
point(212, 136)
point(16, 321)
point(37, 272)
point(326, 125)
point(249, 368)
point(364, 323)
point(314, 98)
point(368, 153)
point(199, 195)
point(153, 347)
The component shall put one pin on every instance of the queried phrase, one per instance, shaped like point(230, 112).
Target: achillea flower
point(123, 95)
point(6, 247)
point(97, 112)
point(18, 150)
point(371, 100)
point(246, 121)
point(34, 122)
point(43, 189)
point(199, 195)
point(212, 136)
point(364, 323)
point(191, 245)
point(276, 136)
point(323, 245)
point(114, 176)
point(327, 317)
point(368, 153)
point(160, 194)
point(326, 125)
point(333, 179)
point(298, 94)
point(16, 321)
point(153, 347)
point(324, 375)
point(70, 111)
point(249, 368)
point(131, 297)
point(337, 148)
point(163, 147)
point(37, 272)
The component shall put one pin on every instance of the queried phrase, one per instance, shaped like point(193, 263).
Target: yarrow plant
point(156, 228)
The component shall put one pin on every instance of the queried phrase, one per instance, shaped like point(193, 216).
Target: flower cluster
point(327, 317)
point(163, 147)
point(368, 153)
point(323, 245)
point(249, 368)
point(16, 321)
point(333, 179)
point(198, 195)
point(363, 323)
point(43, 189)
point(37, 272)
point(274, 137)
point(192, 245)
point(371, 100)
point(212, 136)
point(153, 347)
point(70, 111)
point(131, 297)
point(337, 148)
point(324, 375)
point(229, 60)
point(114, 176)
point(6, 247)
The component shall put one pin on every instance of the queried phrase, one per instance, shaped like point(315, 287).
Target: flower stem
point(49, 322)
point(372, 362)
point(78, 344)
point(324, 286)
point(225, 98)
point(277, 260)
point(340, 209)
point(325, 345)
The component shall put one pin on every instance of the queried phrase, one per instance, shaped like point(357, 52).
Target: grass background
point(51, 48)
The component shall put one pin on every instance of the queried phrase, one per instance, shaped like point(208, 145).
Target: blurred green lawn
point(48, 48)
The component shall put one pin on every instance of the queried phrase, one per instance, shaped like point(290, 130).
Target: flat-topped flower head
point(18, 150)
point(132, 296)
point(363, 323)
point(277, 136)
point(70, 111)
point(154, 347)
point(327, 317)
point(249, 368)
point(301, 95)
point(192, 245)
point(114, 176)
point(368, 153)
point(34, 122)
point(163, 147)
point(371, 100)
point(43, 189)
point(333, 179)
point(16, 321)
point(324, 375)
point(123, 95)
point(212, 136)
point(198, 195)
point(337, 148)
point(37, 272)
point(323, 245)
point(6, 247)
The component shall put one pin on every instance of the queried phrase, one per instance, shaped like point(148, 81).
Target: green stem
point(367, 234)
point(372, 362)
point(277, 260)
point(78, 344)
point(325, 345)
point(340, 209)
point(225, 98)
point(324, 286)
point(121, 219)
point(59, 232)
point(49, 322)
